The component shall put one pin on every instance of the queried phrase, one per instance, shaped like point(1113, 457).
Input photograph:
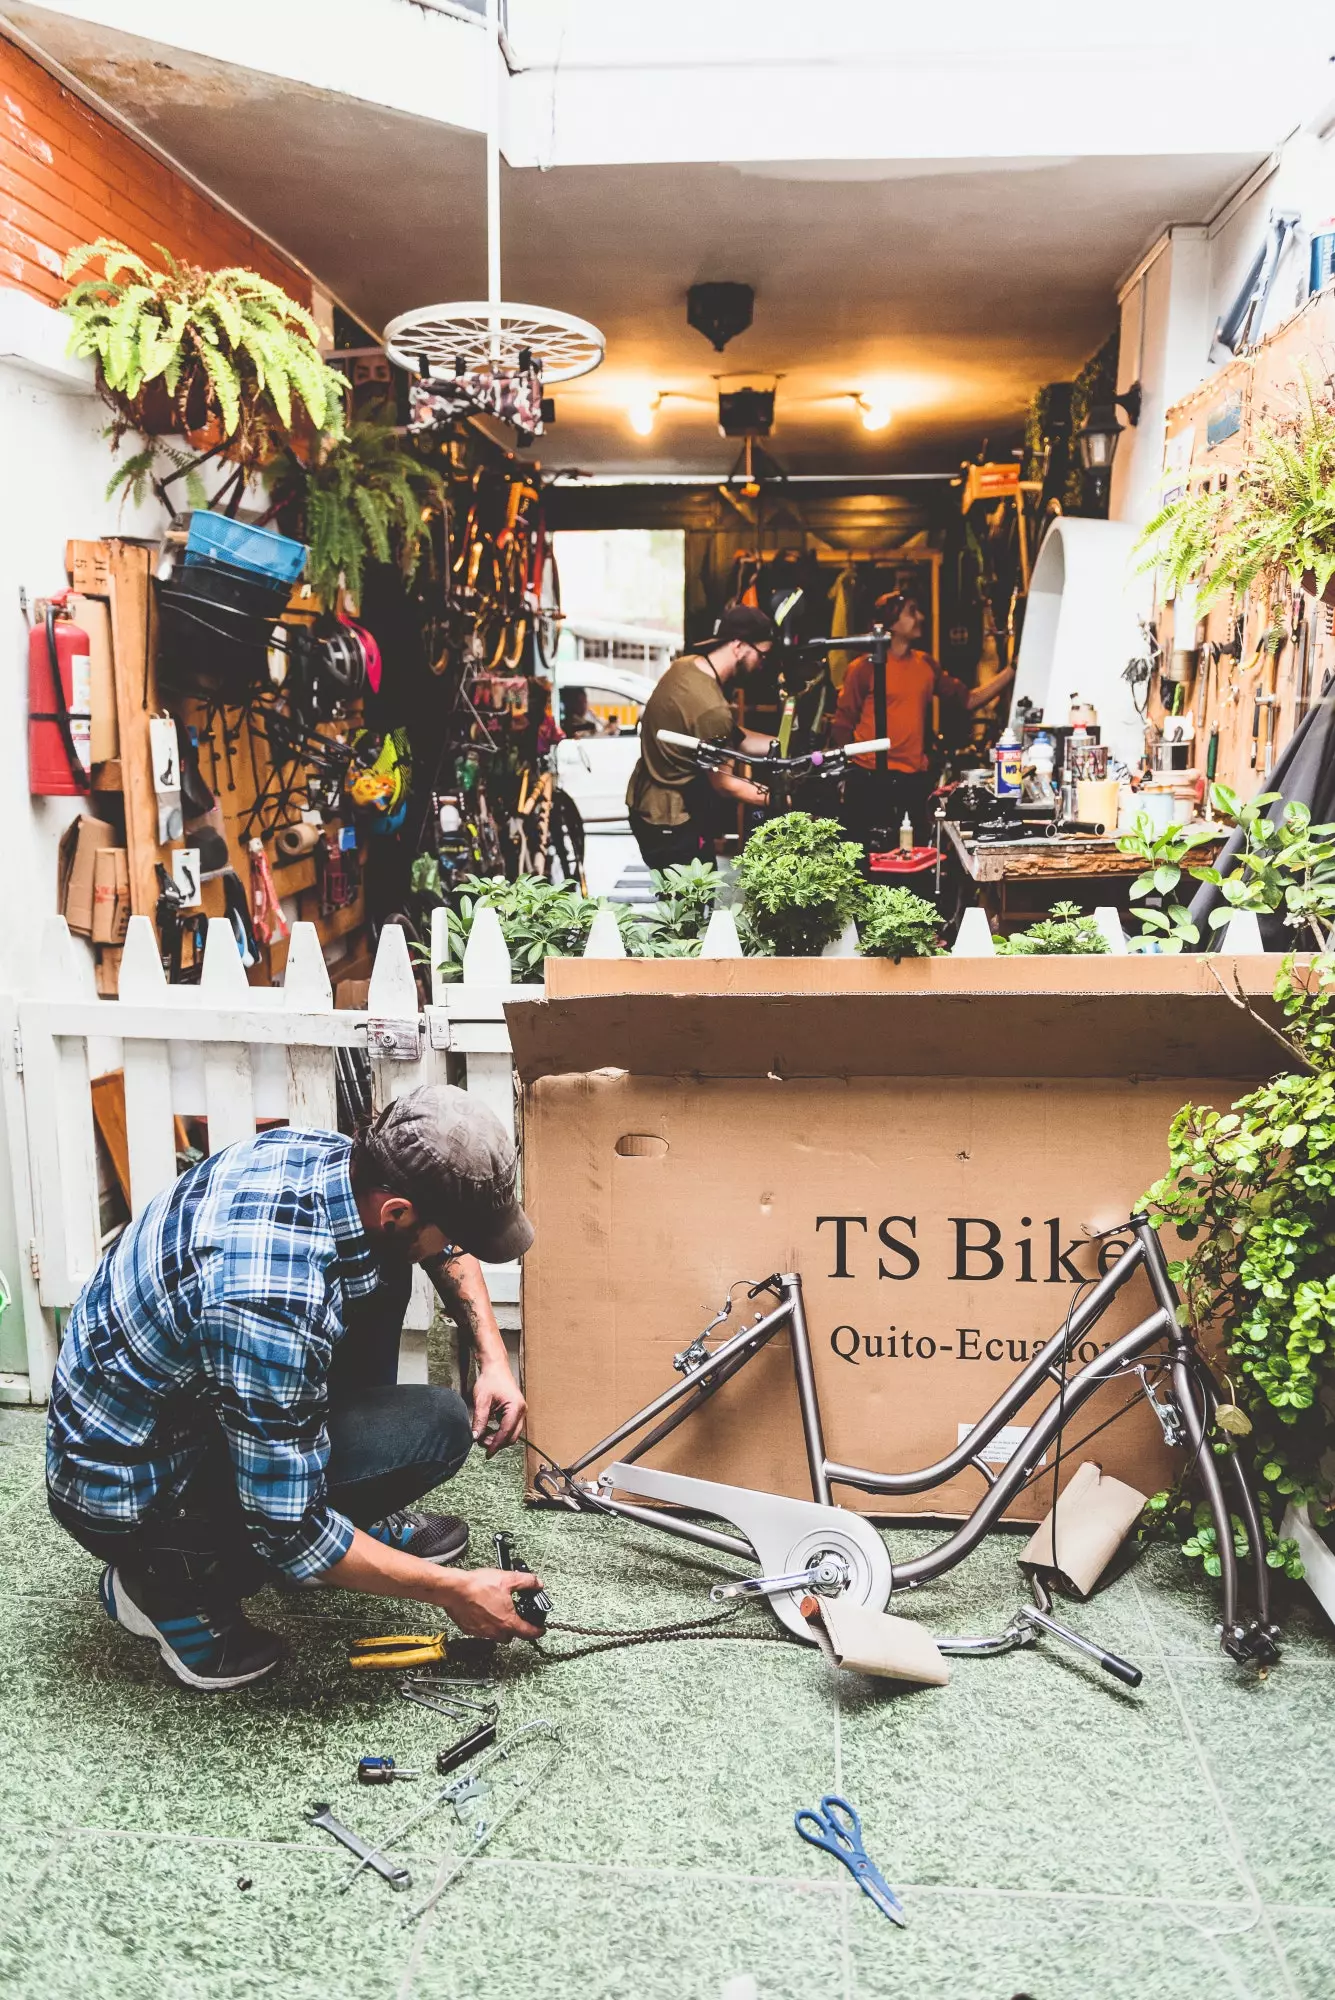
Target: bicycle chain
point(687, 1628)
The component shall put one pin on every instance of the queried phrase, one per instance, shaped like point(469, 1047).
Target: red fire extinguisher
point(60, 720)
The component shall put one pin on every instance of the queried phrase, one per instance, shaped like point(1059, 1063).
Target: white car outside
point(595, 770)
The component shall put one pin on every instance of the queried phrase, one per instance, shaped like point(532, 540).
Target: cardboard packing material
point(931, 1145)
point(875, 1642)
point(93, 615)
point(107, 972)
point(80, 844)
point(111, 895)
point(1079, 1537)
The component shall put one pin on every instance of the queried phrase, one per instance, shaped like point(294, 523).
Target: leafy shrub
point(1252, 1190)
point(541, 920)
point(894, 923)
point(1062, 933)
point(686, 894)
point(359, 498)
point(801, 884)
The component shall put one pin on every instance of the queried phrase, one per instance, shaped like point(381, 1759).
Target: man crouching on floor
point(226, 1411)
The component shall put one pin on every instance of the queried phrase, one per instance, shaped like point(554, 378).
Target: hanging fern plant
point(224, 357)
point(357, 499)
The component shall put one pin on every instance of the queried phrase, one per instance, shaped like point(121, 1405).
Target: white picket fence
point(230, 1053)
point(233, 1053)
point(223, 1050)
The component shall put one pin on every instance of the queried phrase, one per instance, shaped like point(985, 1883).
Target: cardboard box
point(93, 616)
point(111, 895)
point(88, 567)
point(107, 973)
point(930, 1145)
point(80, 845)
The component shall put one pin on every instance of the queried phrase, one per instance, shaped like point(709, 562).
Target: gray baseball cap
point(452, 1158)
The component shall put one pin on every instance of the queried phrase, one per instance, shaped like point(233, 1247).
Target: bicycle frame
point(1194, 1400)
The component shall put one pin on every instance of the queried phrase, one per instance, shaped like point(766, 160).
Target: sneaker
point(200, 1650)
point(433, 1538)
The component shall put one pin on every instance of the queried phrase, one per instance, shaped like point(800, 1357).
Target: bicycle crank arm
point(1025, 1629)
point(828, 1576)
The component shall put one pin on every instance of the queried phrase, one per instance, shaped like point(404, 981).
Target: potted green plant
point(801, 885)
point(224, 358)
point(539, 920)
point(1275, 518)
point(356, 498)
point(1064, 932)
point(894, 923)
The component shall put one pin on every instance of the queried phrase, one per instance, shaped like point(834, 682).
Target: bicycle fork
point(1253, 1643)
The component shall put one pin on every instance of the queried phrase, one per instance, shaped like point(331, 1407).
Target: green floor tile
point(129, 1918)
point(1268, 1748)
point(689, 1755)
point(1307, 1940)
point(621, 1935)
point(959, 1947)
point(684, 1763)
point(1032, 1769)
point(1184, 1608)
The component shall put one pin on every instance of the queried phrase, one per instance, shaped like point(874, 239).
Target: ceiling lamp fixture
point(488, 356)
point(876, 411)
point(745, 412)
point(641, 413)
point(720, 312)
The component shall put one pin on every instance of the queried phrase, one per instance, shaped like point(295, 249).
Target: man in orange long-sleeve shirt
point(879, 799)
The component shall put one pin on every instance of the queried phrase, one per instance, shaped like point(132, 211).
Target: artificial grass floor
point(1050, 1833)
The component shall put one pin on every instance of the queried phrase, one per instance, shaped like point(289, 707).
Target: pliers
point(399, 1649)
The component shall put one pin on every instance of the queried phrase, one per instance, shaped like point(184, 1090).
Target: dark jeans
point(875, 803)
point(388, 1445)
point(669, 846)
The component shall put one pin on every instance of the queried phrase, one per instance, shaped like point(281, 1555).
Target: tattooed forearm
point(450, 1280)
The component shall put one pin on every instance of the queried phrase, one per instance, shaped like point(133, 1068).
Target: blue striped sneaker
point(199, 1651)
point(433, 1538)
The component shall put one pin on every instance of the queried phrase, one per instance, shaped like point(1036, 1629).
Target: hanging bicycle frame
point(1186, 1419)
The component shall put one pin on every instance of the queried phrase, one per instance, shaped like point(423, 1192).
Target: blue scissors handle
point(825, 1828)
point(837, 1828)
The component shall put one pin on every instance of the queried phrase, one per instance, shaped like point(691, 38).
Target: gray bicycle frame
point(1193, 1389)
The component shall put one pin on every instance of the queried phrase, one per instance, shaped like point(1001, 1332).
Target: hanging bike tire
point(564, 858)
point(547, 629)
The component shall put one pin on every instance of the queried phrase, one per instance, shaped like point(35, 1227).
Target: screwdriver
point(380, 1771)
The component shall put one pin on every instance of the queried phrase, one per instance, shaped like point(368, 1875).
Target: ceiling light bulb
point(640, 415)
point(875, 415)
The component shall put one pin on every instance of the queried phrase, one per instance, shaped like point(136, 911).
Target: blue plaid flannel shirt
point(227, 1292)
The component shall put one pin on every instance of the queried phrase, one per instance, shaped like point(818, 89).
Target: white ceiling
point(955, 286)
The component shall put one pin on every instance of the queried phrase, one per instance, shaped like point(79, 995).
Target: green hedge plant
point(1251, 1193)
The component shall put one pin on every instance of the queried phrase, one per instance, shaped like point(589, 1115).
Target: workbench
point(1018, 880)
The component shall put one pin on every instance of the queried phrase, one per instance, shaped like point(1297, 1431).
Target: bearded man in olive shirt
point(671, 801)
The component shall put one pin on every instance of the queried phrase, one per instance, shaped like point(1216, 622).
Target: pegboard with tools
point(1231, 686)
point(232, 808)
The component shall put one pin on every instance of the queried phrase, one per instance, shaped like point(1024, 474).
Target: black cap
point(746, 622)
point(454, 1161)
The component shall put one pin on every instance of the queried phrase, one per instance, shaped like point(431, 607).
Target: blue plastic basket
point(214, 538)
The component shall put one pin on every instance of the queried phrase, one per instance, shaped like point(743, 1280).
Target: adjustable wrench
point(397, 1878)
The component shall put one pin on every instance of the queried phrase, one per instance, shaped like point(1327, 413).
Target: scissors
point(837, 1828)
point(399, 1649)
